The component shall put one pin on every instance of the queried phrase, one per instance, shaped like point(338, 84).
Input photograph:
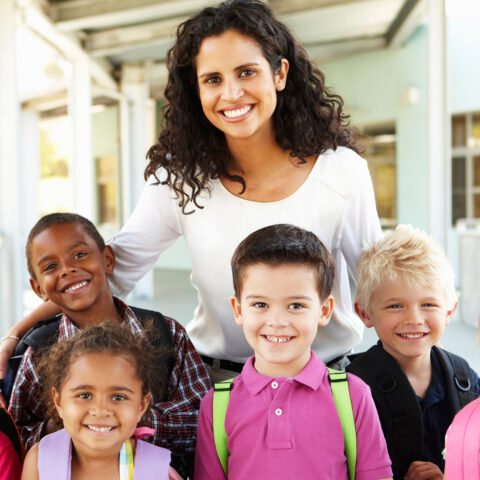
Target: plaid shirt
point(174, 421)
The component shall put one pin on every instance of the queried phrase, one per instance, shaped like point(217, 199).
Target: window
point(465, 166)
point(378, 145)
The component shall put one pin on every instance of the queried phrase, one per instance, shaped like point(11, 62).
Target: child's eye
point(85, 396)
point(50, 266)
point(118, 397)
point(394, 306)
point(296, 306)
point(246, 73)
point(79, 255)
point(428, 305)
point(260, 305)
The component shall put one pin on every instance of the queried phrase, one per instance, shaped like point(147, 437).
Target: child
point(98, 384)
point(10, 448)
point(251, 134)
point(281, 420)
point(69, 265)
point(406, 292)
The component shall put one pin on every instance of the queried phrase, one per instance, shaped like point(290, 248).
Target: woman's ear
point(281, 75)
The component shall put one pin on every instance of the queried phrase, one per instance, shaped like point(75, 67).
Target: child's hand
point(423, 471)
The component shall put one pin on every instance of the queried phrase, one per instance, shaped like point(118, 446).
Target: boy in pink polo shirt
point(281, 420)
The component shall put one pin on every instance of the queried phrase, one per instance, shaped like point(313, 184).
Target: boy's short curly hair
point(409, 253)
point(284, 244)
point(148, 361)
point(60, 218)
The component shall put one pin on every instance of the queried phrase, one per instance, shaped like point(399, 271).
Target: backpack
point(45, 333)
point(462, 444)
point(396, 402)
point(341, 396)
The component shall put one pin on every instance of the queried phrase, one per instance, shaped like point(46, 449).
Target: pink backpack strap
point(151, 462)
point(462, 444)
point(55, 456)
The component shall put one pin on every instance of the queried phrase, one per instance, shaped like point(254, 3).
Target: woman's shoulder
point(342, 169)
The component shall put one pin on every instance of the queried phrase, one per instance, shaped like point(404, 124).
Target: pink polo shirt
point(288, 428)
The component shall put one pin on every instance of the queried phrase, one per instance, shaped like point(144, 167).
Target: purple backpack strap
point(462, 444)
point(55, 456)
point(151, 462)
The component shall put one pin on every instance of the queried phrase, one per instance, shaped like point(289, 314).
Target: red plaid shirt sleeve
point(26, 406)
point(175, 420)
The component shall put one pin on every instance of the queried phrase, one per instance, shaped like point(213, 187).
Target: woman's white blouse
point(336, 202)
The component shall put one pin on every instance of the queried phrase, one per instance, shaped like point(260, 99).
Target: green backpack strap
point(341, 396)
point(221, 395)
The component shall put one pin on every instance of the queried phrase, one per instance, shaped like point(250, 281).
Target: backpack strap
point(341, 396)
point(459, 379)
point(221, 396)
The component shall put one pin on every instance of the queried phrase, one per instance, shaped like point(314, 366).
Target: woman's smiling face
point(237, 88)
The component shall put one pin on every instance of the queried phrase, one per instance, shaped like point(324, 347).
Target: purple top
point(289, 428)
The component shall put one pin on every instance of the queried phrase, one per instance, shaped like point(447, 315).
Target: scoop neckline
point(275, 202)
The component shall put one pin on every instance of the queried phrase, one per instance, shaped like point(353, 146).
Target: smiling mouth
point(412, 336)
point(100, 429)
point(274, 339)
point(232, 114)
point(75, 287)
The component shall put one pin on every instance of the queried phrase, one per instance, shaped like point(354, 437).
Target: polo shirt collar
point(311, 376)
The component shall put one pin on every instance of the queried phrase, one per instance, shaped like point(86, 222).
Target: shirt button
point(274, 384)
point(278, 411)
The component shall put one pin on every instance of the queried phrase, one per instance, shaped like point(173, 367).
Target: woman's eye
point(118, 397)
point(296, 306)
point(212, 80)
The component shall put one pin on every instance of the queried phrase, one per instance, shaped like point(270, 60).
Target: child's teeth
point(410, 335)
point(75, 287)
point(278, 339)
point(99, 429)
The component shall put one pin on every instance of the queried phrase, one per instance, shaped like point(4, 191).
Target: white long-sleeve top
point(336, 202)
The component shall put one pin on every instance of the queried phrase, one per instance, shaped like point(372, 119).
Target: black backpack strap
point(397, 406)
point(459, 379)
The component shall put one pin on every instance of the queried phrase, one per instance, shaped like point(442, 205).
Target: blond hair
point(409, 253)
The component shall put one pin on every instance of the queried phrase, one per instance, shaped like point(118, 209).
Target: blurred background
point(81, 91)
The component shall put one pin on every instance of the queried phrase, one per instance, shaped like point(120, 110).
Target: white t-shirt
point(336, 202)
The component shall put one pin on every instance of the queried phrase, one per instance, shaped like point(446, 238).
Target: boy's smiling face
point(408, 319)
point(280, 310)
point(71, 271)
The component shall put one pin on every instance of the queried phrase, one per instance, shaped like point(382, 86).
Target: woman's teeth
point(238, 112)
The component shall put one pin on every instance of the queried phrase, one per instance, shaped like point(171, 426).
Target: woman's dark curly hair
point(149, 362)
point(307, 121)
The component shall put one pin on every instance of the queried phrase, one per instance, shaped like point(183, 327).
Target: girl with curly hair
point(98, 386)
point(251, 137)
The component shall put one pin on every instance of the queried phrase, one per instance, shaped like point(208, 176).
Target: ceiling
point(114, 32)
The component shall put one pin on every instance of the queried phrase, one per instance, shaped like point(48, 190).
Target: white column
point(136, 130)
point(82, 167)
point(438, 129)
point(11, 256)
